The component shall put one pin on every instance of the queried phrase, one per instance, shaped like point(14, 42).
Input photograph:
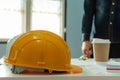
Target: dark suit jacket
point(105, 14)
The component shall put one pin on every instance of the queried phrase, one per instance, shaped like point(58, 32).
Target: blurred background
point(63, 17)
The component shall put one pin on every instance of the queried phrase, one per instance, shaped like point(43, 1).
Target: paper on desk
point(113, 65)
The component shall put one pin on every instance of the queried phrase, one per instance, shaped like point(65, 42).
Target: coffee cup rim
point(99, 40)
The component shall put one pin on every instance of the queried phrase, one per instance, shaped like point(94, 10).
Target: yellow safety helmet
point(40, 49)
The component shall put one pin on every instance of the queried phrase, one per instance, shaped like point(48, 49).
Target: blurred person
point(104, 16)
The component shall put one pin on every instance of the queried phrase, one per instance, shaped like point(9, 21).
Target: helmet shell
point(40, 49)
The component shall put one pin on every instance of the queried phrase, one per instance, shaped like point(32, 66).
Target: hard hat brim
point(75, 69)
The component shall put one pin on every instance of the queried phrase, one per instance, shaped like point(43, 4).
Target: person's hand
point(87, 48)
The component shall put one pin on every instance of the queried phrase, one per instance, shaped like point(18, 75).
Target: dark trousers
point(114, 50)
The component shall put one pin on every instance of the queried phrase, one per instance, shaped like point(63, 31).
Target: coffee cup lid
point(99, 40)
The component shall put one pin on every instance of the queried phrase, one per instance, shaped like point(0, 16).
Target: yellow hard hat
point(40, 49)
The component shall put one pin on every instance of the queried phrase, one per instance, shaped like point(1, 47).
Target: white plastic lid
point(98, 40)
